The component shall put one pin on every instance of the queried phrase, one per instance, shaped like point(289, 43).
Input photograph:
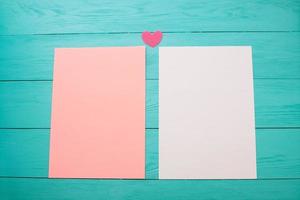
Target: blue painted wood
point(49, 189)
point(30, 57)
point(106, 16)
point(29, 30)
point(25, 153)
point(27, 104)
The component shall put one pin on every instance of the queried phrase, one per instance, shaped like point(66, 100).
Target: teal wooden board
point(151, 153)
point(30, 30)
point(106, 16)
point(278, 146)
point(25, 153)
point(44, 189)
point(30, 57)
point(27, 104)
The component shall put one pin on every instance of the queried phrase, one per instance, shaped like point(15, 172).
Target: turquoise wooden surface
point(106, 16)
point(49, 189)
point(30, 30)
point(27, 104)
point(30, 57)
point(275, 159)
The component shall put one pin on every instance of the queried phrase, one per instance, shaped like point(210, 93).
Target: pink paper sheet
point(98, 113)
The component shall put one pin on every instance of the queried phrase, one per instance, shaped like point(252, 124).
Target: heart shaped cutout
point(152, 39)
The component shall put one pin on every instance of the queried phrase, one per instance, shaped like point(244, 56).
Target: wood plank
point(27, 104)
point(36, 189)
point(151, 153)
point(275, 55)
point(278, 153)
point(45, 17)
point(25, 153)
point(277, 103)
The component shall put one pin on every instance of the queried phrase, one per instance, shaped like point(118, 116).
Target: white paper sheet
point(206, 113)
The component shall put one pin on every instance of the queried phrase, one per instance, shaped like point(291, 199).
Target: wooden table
point(30, 30)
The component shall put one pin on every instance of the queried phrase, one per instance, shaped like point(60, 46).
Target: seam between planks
point(117, 179)
point(148, 79)
point(259, 128)
point(139, 32)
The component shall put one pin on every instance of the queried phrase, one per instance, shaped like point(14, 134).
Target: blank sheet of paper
point(98, 113)
point(206, 113)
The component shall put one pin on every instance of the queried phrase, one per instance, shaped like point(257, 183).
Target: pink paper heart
point(152, 39)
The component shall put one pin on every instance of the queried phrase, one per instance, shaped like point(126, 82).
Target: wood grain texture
point(93, 16)
point(25, 153)
point(277, 103)
point(152, 153)
point(276, 147)
point(27, 104)
point(30, 57)
point(37, 189)
point(30, 30)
